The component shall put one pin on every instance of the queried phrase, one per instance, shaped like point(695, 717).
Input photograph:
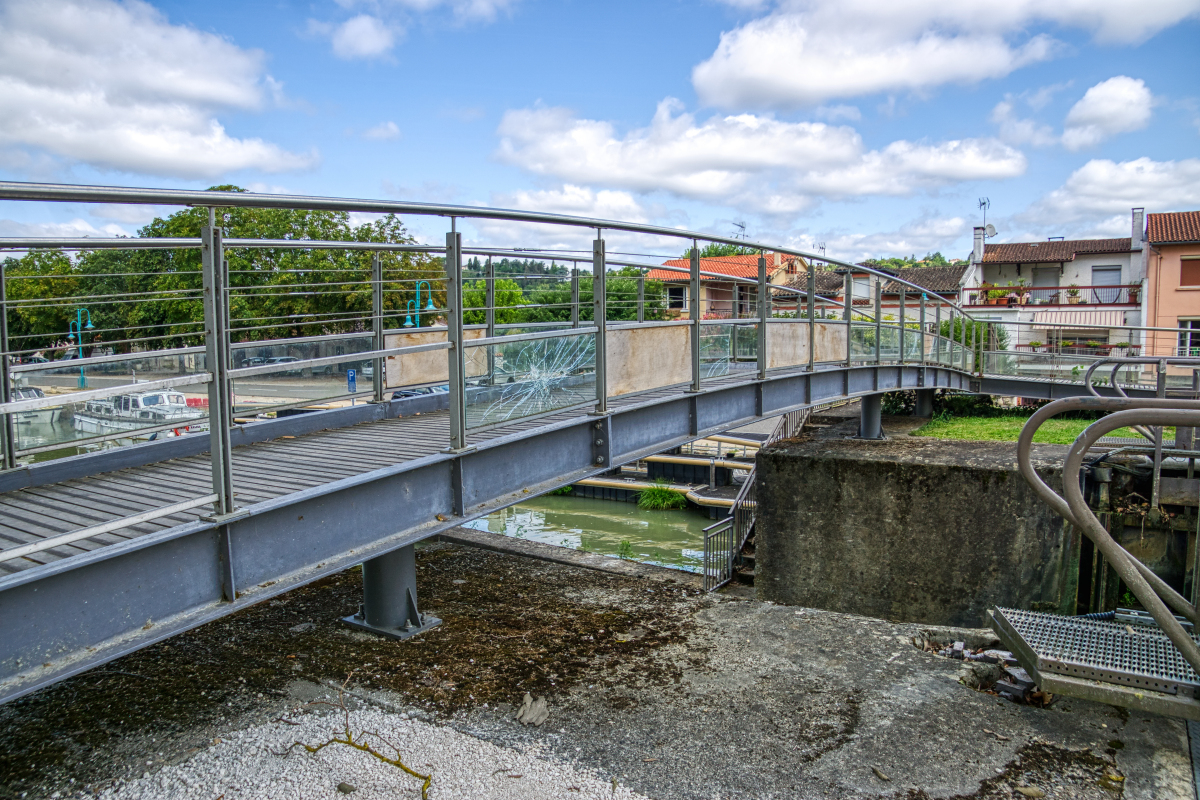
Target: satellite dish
point(990, 230)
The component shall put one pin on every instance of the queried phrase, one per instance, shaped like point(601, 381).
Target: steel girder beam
point(70, 615)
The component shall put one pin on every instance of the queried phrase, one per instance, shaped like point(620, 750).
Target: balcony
point(1054, 296)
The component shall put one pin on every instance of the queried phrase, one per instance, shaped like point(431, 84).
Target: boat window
point(144, 414)
point(178, 400)
point(152, 400)
point(124, 402)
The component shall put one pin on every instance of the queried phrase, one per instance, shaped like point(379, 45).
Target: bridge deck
point(261, 471)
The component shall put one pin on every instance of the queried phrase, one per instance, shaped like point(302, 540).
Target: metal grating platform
point(1112, 662)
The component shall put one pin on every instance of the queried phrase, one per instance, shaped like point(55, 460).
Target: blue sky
point(871, 126)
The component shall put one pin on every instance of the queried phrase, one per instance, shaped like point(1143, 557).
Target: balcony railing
point(1055, 296)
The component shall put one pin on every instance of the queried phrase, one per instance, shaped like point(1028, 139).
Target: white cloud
point(834, 113)
point(805, 52)
point(363, 36)
point(145, 106)
point(1117, 105)
point(383, 132)
point(73, 228)
point(917, 237)
point(465, 10)
point(751, 162)
point(1016, 131)
point(1096, 198)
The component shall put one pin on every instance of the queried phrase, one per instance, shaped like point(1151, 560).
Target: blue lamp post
point(415, 305)
point(75, 329)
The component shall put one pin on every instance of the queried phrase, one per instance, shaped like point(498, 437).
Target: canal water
point(667, 538)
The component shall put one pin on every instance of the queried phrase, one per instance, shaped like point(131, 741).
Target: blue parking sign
point(351, 381)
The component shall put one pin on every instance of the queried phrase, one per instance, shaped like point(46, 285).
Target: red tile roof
point(743, 266)
point(1053, 251)
point(1181, 226)
point(932, 279)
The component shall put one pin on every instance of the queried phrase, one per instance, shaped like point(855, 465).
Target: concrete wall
point(934, 532)
point(432, 366)
point(647, 358)
point(787, 343)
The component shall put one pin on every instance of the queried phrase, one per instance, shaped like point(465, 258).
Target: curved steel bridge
point(107, 552)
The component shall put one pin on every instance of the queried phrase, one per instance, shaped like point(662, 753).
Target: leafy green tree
point(718, 249)
point(510, 302)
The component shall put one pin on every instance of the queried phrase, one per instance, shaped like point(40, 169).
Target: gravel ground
point(264, 762)
point(673, 695)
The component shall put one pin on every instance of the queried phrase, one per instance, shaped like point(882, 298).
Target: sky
point(871, 128)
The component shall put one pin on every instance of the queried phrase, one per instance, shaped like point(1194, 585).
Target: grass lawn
point(1007, 429)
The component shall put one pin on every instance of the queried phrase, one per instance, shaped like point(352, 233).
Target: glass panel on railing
point(295, 383)
point(128, 416)
point(511, 380)
point(889, 342)
point(862, 341)
point(727, 348)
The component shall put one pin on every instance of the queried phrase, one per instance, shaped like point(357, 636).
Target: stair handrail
point(1151, 590)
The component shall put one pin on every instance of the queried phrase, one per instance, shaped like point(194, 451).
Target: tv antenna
point(741, 231)
point(819, 247)
point(985, 204)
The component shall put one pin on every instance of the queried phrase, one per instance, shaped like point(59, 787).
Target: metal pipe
point(454, 333)
point(937, 327)
point(489, 317)
point(377, 367)
point(903, 316)
point(870, 420)
point(575, 296)
point(921, 326)
point(67, 193)
point(220, 418)
point(761, 334)
point(694, 315)
point(600, 320)
point(812, 317)
point(641, 298)
point(878, 318)
point(848, 300)
point(8, 434)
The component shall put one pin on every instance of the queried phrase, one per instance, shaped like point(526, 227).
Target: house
point(723, 299)
point(1173, 282)
point(1074, 296)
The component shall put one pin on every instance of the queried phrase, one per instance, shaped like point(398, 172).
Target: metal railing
point(242, 326)
point(1151, 591)
point(724, 540)
point(1054, 295)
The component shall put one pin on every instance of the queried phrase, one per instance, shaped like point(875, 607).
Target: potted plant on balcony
point(1134, 292)
point(1022, 291)
point(997, 296)
point(1073, 294)
point(1035, 346)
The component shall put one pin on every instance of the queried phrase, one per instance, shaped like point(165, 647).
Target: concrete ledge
point(499, 543)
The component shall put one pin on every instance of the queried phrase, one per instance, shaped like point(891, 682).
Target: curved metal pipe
point(1060, 506)
point(1117, 555)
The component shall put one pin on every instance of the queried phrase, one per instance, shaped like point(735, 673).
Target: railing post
point(600, 320)
point(694, 314)
point(8, 435)
point(762, 316)
point(848, 291)
point(574, 294)
point(951, 337)
point(641, 298)
point(937, 328)
point(377, 382)
point(454, 335)
point(903, 314)
point(878, 319)
point(972, 347)
point(812, 317)
point(921, 323)
point(489, 318)
point(216, 351)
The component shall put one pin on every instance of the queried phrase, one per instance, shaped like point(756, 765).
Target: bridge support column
point(390, 597)
point(924, 407)
point(870, 422)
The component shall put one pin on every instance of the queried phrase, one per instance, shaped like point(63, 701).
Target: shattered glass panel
point(726, 348)
point(521, 379)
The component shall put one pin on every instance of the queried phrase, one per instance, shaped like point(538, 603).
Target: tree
point(718, 249)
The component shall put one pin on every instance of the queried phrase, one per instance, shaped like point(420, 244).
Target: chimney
point(778, 259)
point(1139, 229)
point(977, 253)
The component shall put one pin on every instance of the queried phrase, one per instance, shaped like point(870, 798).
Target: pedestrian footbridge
point(193, 478)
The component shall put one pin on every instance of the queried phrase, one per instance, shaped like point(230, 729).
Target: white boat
point(132, 413)
point(35, 416)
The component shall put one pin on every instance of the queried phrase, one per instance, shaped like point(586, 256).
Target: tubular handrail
point(69, 193)
point(1149, 589)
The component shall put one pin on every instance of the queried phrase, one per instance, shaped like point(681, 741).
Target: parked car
point(253, 361)
point(400, 394)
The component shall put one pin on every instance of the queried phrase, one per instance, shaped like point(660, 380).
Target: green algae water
point(666, 538)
